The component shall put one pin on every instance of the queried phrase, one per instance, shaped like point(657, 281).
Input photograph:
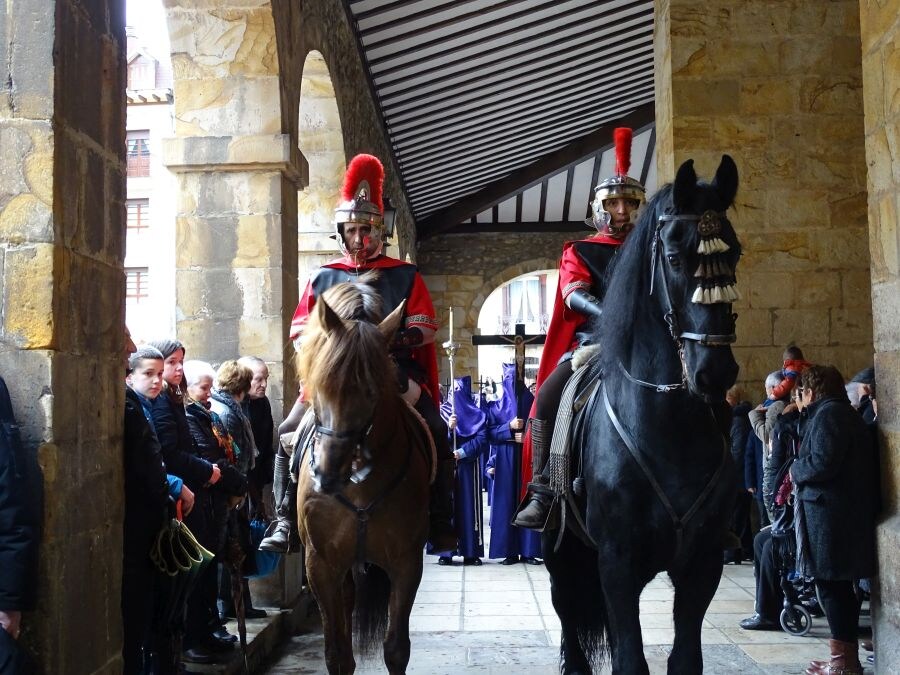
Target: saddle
point(566, 462)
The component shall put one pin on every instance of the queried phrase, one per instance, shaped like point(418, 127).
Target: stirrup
point(538, 510)
point(278, 537)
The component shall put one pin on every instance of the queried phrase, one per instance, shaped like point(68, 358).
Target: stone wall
point(777, 84)
point(880, 30)
point(62, 214)
point(462, 270)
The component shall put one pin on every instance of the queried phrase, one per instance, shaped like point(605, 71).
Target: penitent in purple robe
point(471, 443)
point(506, 460)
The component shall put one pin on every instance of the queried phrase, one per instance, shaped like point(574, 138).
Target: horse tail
point(370, 616)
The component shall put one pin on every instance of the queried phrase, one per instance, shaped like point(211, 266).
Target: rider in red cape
point(419, 309)
point(577, 304)
point(360, 232)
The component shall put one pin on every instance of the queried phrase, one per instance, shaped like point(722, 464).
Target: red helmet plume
point(365, 173)
point(622, 138)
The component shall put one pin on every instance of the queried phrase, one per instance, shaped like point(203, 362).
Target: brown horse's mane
point(343, 365)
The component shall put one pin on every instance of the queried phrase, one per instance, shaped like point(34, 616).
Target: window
point(142, 73)
point(137, 284)
point(524, 300)
point(138, 153)
point(138, 214)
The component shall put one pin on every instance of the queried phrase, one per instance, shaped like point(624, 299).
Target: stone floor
point(499, 619)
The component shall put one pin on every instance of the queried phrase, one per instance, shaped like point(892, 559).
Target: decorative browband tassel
point(711, 246)
point(716, 277)
point(715, 294)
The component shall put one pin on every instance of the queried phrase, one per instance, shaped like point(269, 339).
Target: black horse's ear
point(328, 318)
point(684, 186)
point(726, 180)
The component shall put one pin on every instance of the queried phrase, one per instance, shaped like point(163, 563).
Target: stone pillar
point(778, 86)
point(235, 234)
point(236, 213)
point(62, 225)
point(880, 29)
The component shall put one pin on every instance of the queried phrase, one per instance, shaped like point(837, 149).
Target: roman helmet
point(361, 199)
point(621, 185)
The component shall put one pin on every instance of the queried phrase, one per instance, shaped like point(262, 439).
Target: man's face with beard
point(360, 240)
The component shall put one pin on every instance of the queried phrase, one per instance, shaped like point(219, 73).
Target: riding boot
point(441, 532)
point(844, 660)
point(278, 535)
point(535, 511)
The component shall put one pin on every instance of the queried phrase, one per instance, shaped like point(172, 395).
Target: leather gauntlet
point(583, 302)
point(408, 337)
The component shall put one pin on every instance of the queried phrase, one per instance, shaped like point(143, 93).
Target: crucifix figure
point(518, 340)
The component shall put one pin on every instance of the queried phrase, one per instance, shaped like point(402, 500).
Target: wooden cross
point(518, 340)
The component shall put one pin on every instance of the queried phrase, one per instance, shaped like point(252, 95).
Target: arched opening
point(320, 139)
point(527, 299)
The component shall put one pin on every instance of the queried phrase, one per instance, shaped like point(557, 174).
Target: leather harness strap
point(679, 522)
point(363, 512)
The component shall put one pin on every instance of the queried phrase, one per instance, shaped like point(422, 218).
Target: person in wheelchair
point(773, 561)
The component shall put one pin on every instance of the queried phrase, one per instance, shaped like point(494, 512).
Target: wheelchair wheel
point(795, 620)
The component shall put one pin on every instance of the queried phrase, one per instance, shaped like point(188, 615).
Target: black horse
point(658, 476)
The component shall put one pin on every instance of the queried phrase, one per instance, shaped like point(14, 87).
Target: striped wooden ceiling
point(488, 103)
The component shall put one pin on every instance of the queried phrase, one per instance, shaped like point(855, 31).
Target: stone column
point(236, 222)
point(236, 225)
point(62, 225)
point(778, 86)
point(880, 24)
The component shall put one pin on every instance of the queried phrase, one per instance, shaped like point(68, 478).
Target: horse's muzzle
point(714, 372)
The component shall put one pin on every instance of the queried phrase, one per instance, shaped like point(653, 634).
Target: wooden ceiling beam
point(463, 210)
point(519, 228)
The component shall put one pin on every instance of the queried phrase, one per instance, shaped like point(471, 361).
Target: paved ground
point(499, 619)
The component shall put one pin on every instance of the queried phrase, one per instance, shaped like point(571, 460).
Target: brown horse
point(363, 486)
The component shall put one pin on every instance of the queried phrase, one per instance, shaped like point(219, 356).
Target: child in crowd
point(794, 365)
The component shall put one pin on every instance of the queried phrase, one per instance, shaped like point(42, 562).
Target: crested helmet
point(361, 199)
point(618, 186)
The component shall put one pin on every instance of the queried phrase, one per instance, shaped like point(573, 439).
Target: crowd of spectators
point(197, 441)
point(809, 457)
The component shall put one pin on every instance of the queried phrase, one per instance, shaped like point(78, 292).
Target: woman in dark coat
point(183, 460)
point(213, 443)
point(231, 387)
point(834, 476)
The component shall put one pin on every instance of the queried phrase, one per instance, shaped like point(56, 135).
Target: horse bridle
point(671, 314)
point(362, 455)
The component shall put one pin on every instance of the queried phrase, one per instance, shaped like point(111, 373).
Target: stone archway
point(466, 293)
point(320, 139)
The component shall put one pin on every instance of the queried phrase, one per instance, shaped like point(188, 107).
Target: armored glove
point(583, 302)
point(409, 337)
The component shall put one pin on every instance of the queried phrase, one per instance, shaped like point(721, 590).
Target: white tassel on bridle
point(717, 282)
